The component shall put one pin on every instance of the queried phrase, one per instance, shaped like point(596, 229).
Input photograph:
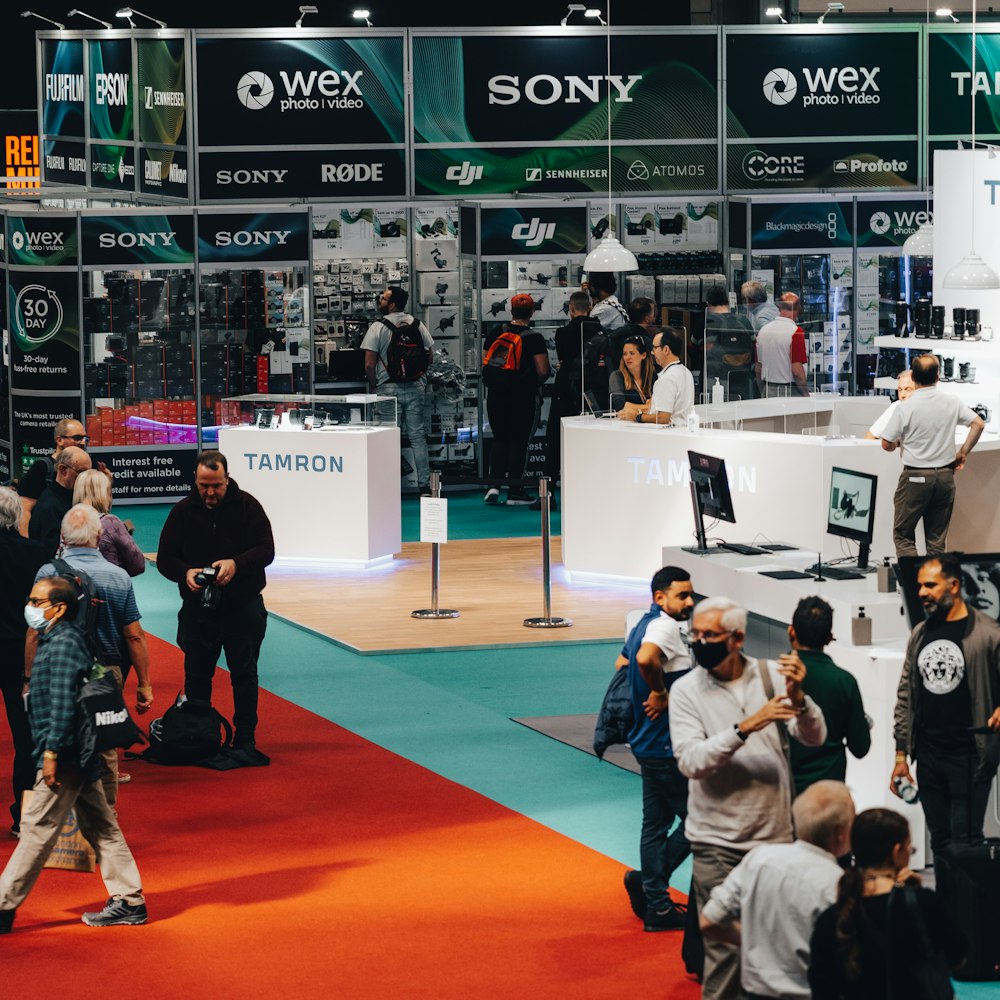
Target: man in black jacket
point(57, 498)
point(220, 528)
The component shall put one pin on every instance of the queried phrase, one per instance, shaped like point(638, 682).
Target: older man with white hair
point(729, 724)
point(120, 638)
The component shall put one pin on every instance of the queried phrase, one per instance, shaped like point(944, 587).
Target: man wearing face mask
point(656, 655)
point(64, 781)
point(729, 724)
point(951, 669)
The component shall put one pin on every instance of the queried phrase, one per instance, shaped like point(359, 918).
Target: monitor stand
point(701, 548)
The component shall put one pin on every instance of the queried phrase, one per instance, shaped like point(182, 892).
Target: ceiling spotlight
point(571, 10)
point(82, 13)
point(776, 12)
point(306, 8)
point(126, 14)
point(945, 12)
point(31, 13)
point(363, 15)
point(594, 12)
point(831, 8)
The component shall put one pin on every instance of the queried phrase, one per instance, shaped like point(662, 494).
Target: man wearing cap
point(515, 365)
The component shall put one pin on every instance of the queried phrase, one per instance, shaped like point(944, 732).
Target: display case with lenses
point(298, 412)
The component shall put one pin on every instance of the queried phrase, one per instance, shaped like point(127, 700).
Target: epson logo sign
point(128, 241)
point(252, 238)
point(545, 89)
point(111, 89)
point(833, 86)
point(250, 176)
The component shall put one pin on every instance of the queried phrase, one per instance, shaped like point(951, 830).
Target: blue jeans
point(664, 799)
point(410, 398)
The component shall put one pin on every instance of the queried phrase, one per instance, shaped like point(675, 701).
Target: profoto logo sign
point(465, 174)
point(256, 90)
point(37, 241)
point(766, 167)
point(163, 98)
point(111, 89)
point(878, 166)
point(545, 89)
point(642, 171)
point(252, 238)
point(128, 241)
point(837, 85)
point(534, 233)
point(901, 223)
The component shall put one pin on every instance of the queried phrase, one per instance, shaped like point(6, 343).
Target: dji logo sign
point(534, 233)
point(465, 174)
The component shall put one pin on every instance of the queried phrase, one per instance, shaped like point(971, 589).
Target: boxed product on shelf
point(435, 255)
point(439, 288)
point(639, 286)
point(442, 321)
point(496, 303)
point(437, 453)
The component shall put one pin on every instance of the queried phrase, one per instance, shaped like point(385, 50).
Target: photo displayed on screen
point(852, 503)
point(980, 583)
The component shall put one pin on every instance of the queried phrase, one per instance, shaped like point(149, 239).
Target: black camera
point(211, 595)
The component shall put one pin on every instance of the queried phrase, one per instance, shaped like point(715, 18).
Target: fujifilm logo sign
point(312, 91)
point(252, 238)
point(534, 233)
point(130, 240)
point(878, 166)
point(900, 223)
point(545, 89)
point(819, 87)
point(64, 87)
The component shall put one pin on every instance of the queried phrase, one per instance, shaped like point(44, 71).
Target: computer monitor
point(852, 509)
point(710, 497)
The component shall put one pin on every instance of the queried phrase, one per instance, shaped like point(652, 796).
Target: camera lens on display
point(922, 317)
point(947, 369)
point(902, 313)
point(972, 323)
point(937, 321)
point(958, 318)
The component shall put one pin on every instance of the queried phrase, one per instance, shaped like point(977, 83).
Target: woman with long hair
point(115, 544)
point(866, 946)
point(633, 381)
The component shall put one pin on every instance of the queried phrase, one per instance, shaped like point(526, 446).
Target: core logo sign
point(38, 315)
point(879, 223)
point(760, 166)
point(780, 86)
point(534, 233)
point(255, 90)
point(464, 174)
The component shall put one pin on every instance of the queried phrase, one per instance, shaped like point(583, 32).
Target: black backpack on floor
point(190, 732)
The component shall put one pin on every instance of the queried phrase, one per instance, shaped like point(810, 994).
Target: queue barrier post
point(546, 621)
point(434, 611)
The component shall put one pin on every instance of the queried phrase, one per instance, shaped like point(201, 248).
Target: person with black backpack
point(398, 351)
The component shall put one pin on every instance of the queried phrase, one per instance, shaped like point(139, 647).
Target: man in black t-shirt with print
point(950, 684)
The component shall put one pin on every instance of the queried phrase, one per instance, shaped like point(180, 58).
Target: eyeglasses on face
point(38, 602)
point(76, 437)
point(707, 634)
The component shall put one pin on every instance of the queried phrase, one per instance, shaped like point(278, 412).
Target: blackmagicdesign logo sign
point(823, 87)
point(329, 90)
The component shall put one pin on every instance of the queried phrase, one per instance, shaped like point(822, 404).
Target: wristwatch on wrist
point(739, 732)
point(638, 417)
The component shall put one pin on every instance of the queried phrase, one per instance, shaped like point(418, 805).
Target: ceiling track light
point(41, 17)
point(306, 8)
point(594, 13)
point(363, 15)
point(82, 13)
point(126, 13)
point(573, 8)
point(943, 12)
point(776, 12)
point(831, 8)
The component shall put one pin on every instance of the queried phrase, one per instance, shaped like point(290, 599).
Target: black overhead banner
point(528, 230)
point(246, 237)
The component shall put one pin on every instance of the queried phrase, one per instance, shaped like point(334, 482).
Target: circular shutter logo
point(780, 86)
point(17, 240)
point(879, 223)
point(255, 90)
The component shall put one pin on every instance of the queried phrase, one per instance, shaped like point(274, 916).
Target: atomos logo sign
point(328, 90)
point(823, 87)
point(534, 233)
point(465, 174)
point(639, 170)
point(546, 89)
point(760, 166)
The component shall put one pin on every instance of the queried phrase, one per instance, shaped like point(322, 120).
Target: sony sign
point(255, 238)
point(545, 89)
point(130, 240)
point(250, 176)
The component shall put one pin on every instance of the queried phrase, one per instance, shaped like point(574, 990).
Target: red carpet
point(340, 871)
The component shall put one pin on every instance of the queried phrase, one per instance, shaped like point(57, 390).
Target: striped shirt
point(114, 588)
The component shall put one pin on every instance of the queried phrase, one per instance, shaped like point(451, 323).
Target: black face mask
point(709, 654)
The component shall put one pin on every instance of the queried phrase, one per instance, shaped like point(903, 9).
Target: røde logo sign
point(534, 233)
point(111, 89)
point(763, 166)
point(464, 174)
point(545, 89)
point(130, 240)
point(345, 173)
point(255, 238)
point(256, 90)
point(837, 85)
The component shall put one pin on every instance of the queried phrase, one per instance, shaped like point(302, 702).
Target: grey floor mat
point(578, 731)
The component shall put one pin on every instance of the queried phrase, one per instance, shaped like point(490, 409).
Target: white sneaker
point(492, 495)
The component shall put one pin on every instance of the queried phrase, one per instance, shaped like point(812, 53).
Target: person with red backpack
point(398, 351)
point(515, 365)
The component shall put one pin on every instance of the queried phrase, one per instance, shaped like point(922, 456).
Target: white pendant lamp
point(972, 272)
point(920, 243)
point(609, 254)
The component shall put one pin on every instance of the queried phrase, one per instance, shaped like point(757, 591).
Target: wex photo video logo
point(880, 223)
point(256, 90)
point(464, 174)
point(780, 86)
point(823, 87)
point(534, 233)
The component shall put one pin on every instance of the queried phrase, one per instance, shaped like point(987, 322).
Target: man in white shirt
point(769, 902)
point(607, 310)
point(904, 389)
point(673, 390)
point(781, 352)
point(924, 426)
point(723, 732)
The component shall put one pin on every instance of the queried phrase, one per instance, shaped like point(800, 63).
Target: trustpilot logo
point(534, 233)
point(464, 174)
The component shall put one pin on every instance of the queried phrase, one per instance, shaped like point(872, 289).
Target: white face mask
point(35, 617)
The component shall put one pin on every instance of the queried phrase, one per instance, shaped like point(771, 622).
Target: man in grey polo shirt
point(924, 425)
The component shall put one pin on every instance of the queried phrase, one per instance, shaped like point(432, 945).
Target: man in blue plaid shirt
point(64, 781)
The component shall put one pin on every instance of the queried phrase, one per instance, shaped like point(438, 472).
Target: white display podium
point(331, 495)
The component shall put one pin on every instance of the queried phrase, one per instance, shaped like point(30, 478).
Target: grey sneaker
point(115, 912)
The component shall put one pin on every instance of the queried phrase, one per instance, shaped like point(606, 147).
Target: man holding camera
point(215, 546)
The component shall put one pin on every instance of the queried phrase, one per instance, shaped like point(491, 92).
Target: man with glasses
point(64, 779)
point(722, 726)
point(57, 498)
point(673, 390)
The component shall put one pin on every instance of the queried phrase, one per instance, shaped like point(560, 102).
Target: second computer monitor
point(712, 487)
point(852, 508)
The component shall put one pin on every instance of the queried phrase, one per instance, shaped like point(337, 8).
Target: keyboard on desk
point(743, 550)
point(785, 574)
point(834, 573)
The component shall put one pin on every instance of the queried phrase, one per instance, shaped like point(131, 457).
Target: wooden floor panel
point(494, 583)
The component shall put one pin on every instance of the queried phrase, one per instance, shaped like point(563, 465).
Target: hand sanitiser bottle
point(718, 393)
point(861, 629)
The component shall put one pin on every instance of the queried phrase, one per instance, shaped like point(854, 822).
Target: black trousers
point(553, 434)
point(953, 798)
point(203, 635)
point(512, 417)
point(23, 771)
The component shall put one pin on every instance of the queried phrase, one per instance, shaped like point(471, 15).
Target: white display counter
point(331, 495)
point(626, 496)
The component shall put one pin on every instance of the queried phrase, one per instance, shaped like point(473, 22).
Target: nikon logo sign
point(110, 718)
point(823, 87)
point(545, 89)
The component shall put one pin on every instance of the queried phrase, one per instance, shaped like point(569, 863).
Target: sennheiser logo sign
point(780, 86)
point(879, 223)
point(163, 98)
point(252, 238)
point(765, 167)
point(534, 233)
point(111, 89)
point(130, 240)
point(823, 87)
point(878, 166)
point(334, 88)
point(38, 241)
point(464, 174)
point(545, 89)
point(533, 173)
point(64, 87)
